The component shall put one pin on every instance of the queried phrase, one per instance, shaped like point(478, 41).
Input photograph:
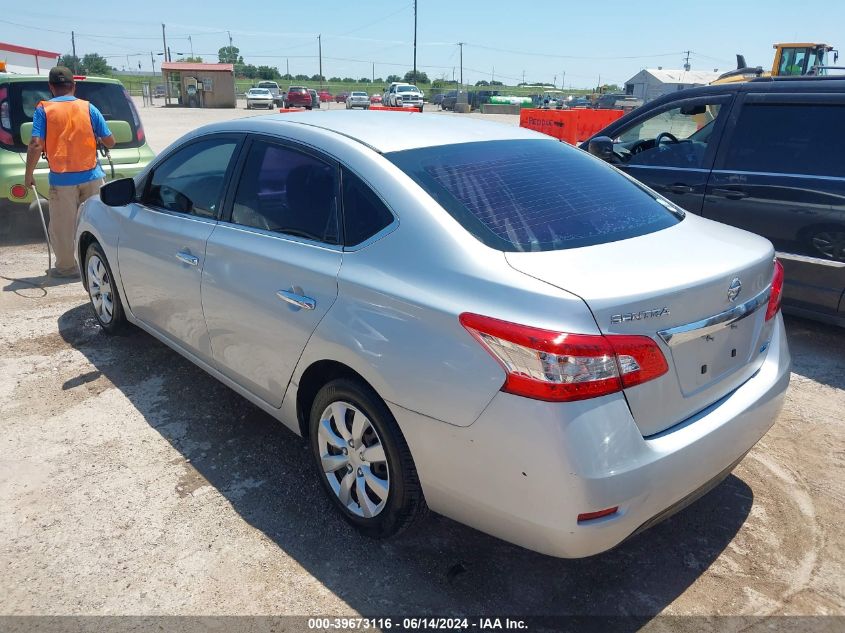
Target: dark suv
point(763, 155)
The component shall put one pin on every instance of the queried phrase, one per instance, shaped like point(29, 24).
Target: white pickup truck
point(400, 95)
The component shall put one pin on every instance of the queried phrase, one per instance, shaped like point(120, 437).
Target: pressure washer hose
point(44, 226)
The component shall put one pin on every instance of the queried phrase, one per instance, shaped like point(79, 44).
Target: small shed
point(198, 85)
point(651, 83)
point(27, 61)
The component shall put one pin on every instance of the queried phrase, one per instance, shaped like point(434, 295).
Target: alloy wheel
point(100, 289)
point(353, 459)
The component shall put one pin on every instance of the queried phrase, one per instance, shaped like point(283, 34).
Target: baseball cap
point(60, 76)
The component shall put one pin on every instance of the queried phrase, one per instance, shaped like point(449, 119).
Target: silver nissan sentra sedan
point(457, 315)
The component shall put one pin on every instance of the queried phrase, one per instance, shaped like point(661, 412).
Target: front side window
point(534, 195)
point(191, 180)
point(791, 138)
point(287, 191)
point(673, 138)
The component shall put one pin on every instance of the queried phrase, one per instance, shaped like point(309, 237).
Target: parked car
point(437, 99)
point(618, 102)
point(298, 97)
point(375, 99)
point(159, 92)
point(325, 95)
point(341, 97)
point(758, 155)
point(275, 90)
point(579, 102)
point(400, 95)
point(19, 96)
point(574, 377)
point(449, 100)
point(358, 100)
point(315, 98)
point(259, 98)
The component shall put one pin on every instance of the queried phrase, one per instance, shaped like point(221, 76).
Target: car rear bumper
point(525, 470)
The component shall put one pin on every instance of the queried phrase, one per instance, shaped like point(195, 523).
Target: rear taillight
point(561, 367)
point(776, 293)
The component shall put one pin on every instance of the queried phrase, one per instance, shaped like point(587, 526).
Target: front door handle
point(187, 258)
point(295, 299)
point(680, 188)
point(733, 194)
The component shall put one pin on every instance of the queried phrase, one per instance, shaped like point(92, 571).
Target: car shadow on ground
point(440, 567)
point(818, 350)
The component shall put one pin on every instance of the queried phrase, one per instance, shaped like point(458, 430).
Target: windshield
point(407, 89)
point(534, 195)
point(259, 91)
point(359, 94)
point(110, 99)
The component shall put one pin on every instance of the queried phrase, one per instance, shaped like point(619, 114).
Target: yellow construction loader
point(791, 59)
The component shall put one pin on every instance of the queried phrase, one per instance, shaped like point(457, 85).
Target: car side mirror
point(118, 193)
point(601, 146)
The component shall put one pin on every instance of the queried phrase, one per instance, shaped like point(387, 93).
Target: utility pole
point(374, 72)
point(164, 52)
point(287, 67)
point(73, 46)
point(453, 74)
point(153, 62)
point(523, 77)
point(230, 40)
point(320, 50)
point(415, 42)
point(563, 81)
point(191, 42)
point(686, 61)
point(461, 44)
point(492, 75)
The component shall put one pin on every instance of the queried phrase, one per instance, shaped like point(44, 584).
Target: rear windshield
point(297, 90)
point(534, 195)
point(359, 94)
point(110, 99)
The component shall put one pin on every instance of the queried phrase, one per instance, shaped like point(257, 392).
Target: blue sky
point(609, 38)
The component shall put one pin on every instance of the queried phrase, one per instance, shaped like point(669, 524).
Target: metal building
point(651, 83)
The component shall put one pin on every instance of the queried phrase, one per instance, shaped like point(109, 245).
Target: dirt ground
point(132, 482)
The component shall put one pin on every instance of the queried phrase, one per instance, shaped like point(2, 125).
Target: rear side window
point(788, 139)
point(534, 195)
point(287, 191)
point(191, 179)
point(364, 214)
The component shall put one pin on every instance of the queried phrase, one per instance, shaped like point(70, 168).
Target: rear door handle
point(680, 188)
point(187, 258)
point(733, 194)
point(298, 300)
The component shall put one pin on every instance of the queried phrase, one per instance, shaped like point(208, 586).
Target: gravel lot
point(132, 482)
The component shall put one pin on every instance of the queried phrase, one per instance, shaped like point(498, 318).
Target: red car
point(375, 99)
point(325, 95)
point(298, 97)
point(341, 97)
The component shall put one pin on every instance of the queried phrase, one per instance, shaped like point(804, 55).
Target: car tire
point(102, 291)
point(392, 496)
point(307, 107)
point(248, 107)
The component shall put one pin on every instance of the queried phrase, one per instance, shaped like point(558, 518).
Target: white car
point(259, 98)
point(358, 100)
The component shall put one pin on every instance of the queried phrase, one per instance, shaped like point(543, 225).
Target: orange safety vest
point(71, 144)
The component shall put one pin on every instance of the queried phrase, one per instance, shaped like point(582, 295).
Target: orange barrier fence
point(380, 107)
point(572, 126)
point(283, 110)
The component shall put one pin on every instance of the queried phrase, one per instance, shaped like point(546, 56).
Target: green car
point(19, 96)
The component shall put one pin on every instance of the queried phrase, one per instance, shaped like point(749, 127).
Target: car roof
point(11, 77)
point(388, 131)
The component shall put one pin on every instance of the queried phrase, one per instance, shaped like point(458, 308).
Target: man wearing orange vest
point(67, 129)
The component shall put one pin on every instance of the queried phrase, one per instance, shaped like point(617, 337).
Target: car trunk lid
point(673, 286)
